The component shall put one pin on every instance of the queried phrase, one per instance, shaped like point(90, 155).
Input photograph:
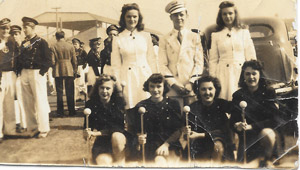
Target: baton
point(142, 111)
point(243, 105)
point(87, 113)
point(186, 110)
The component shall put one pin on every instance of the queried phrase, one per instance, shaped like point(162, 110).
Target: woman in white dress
point(132, 58)
point(231, 46)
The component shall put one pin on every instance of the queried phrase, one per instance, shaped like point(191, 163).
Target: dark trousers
point(69, 87)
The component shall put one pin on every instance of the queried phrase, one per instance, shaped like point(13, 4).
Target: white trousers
point(8, 85)
point(35, 99)
point(80, 85)
point(20, 111)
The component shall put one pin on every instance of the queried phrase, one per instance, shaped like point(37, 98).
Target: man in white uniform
point(180, 55)
point(35, 60)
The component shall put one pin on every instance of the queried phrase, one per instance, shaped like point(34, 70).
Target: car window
point(260, 31)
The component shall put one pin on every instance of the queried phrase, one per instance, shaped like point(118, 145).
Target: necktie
point(179, 37)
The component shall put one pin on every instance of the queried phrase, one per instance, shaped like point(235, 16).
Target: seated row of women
point(209, 126)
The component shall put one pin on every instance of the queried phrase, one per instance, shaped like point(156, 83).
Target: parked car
point(273, 47)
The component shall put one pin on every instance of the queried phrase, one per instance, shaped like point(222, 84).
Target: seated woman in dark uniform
point(107, 121)
point(210, 134)
point(261, 114)
point(162, 122)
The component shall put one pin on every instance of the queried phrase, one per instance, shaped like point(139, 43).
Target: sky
point(202, 13)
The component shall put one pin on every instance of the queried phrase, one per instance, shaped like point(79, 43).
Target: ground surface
point(65, 146)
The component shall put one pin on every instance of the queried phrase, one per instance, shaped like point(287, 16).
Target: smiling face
point(251, 77)
point(156, 90)
point(179, 19)
point(105, 91)
point(228, 16)
point(131, 19)
point(207, 92)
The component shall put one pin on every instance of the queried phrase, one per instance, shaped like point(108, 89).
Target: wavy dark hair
point(256, 65)
point(214, 80)
point(116, 96)
point(122, 22)
point(237, 21)
point(157, 78)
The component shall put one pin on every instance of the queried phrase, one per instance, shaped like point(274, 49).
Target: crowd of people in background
point(139, 73)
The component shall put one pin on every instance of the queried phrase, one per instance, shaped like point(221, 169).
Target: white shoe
point(43, 134)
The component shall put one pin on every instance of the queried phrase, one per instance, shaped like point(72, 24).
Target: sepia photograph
point(149, 84)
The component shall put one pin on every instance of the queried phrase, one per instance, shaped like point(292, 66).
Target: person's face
point(76, 45)
point(179, 19)
point(4, 31)
point(96, 45)
point(113, 33)
point(17, 36)
point(207, 92)
point(156, 90)
point(131, 19)
point(228, 16)
point(105, 91)
point(251, 77)
point(28, 31)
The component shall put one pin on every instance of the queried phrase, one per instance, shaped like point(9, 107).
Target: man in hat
point(64, 69)
point(81, 62)
point(21, 125)
point(34, 62)
point(180, 55)
point(8, 80)
point(105, 54)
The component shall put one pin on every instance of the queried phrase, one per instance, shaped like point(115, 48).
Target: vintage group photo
point(149, 84)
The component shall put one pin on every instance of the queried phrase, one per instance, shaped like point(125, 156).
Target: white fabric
point(229, 50)
point(7, 110)
point(19, 103)
point(35, 99)
point(133, 61)
point(8, 105)
point(80, 83)
point(181, 60)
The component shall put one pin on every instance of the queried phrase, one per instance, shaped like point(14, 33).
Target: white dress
point(229, 50)
point(133, 61)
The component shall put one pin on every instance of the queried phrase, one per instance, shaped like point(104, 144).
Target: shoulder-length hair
point(127, 7)
point(214, 80)
point(115, 97)
point(256, 65)
point(156, 78)
point(236, 23)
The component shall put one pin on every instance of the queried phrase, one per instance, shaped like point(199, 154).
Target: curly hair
point(256, 65)
point(125, 9)
point(214, 80)
point(115, 97)
point(156, 78)
point(236, 23)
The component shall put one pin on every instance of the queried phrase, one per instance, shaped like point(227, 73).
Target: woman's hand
point(242, 126)
point(192, 134)
point(163, 150)
point(142, 139)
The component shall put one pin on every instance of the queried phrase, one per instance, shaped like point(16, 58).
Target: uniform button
point(129, 68)
point(227, 65)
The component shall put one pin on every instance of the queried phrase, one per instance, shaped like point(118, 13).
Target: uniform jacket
point(81, 57)
point(63, 59)
point(8, 55)
point(93, 59)
point(35, 54)
point(229, 50)
point(181, 63)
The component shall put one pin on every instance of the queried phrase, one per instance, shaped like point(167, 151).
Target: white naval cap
point(175, 6)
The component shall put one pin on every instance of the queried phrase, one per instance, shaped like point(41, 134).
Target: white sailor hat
point(175, 6)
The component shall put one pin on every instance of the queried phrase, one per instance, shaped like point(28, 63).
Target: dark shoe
point(1, 140)
point(72, 113)
point(18, 128)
